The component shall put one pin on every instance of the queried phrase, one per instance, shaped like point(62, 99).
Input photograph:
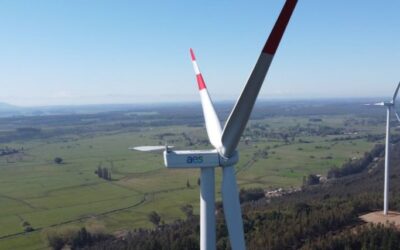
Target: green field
point(35, 189)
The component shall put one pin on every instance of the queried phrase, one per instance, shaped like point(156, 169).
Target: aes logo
point(194, 159)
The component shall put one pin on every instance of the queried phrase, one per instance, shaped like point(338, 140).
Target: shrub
point(58, 160)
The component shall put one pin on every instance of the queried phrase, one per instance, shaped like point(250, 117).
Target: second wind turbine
point(389, 107)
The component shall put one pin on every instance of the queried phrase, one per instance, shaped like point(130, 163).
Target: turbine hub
point(226, 162)
point(388, 104)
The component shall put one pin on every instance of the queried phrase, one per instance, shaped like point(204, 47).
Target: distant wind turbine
point(389, 106)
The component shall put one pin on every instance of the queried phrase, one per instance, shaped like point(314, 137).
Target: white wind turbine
point(225, 142)
point(389, 106)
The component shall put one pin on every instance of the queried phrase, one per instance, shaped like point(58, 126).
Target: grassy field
point(35, 189)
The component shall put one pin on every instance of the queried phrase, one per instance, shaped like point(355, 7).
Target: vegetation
point(58, 160)
point(323, 217)
point(378, 237)
point(103, 173)
point(354, 166)
point(154, 218)
point(9, 151)
point(74, 238)
point(312, 179)
point(27, 226)
point(33, 190)
point(187, 210)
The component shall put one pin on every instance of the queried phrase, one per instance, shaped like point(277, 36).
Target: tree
point(312, 179)
point(26, 224)
point(105, 173)
point(251, 194)
point(55, 242)
point(99, 172)
point(302, 207)
point(154, 218)
point(187, 210)
point(58, 160)
point(82, 238)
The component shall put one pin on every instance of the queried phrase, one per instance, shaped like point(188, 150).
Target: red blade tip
point(192, 55)
point(279, 28)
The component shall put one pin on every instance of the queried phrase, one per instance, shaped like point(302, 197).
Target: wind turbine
point(389, 106)
point(225, 141)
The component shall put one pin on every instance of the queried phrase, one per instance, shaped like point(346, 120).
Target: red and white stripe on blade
point(213, 125)
point(241, 112)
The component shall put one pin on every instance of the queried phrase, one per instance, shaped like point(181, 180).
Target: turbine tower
point(225, 141)
point(389, 106)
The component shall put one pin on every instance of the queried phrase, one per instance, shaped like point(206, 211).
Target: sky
point(60, 52)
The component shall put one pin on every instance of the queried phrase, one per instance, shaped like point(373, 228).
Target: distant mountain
point(9, 110)
point(269, 107)
point(7, 107)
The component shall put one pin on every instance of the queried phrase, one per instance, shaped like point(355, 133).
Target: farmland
point(281, 145)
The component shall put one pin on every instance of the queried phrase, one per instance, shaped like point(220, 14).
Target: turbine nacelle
point(388, 104)
point(197, 159)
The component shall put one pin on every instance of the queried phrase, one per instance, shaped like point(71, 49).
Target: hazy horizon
point(197, 101)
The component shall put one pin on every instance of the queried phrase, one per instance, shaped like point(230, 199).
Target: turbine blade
point(396, 92)
point(232, 209)
point(241, 112)
point(379, 104)
point(213, 125)
point(397, 116)
point(149, 148)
